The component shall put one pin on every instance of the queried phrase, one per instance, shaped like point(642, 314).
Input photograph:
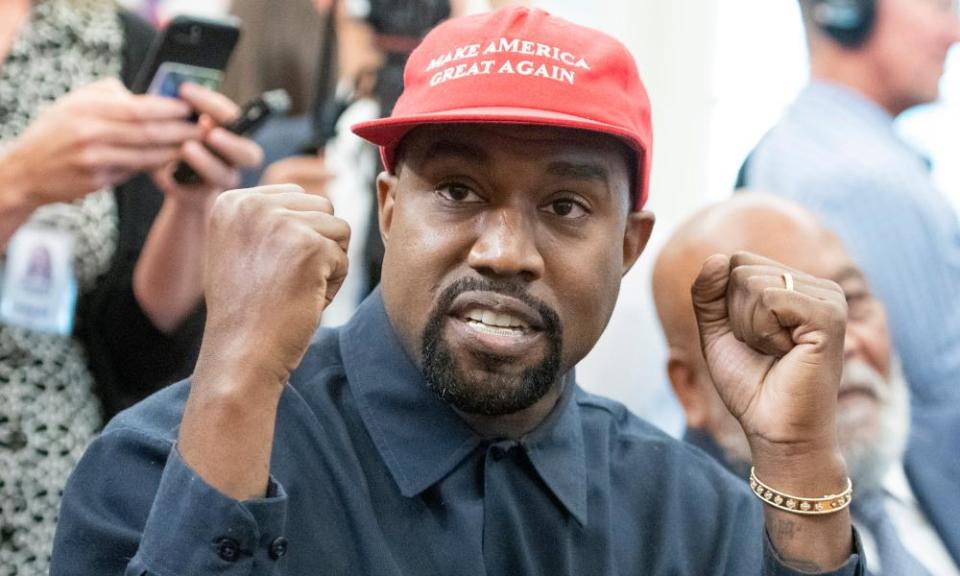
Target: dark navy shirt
point(372, 474)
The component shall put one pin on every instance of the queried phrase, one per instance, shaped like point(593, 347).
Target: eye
point(567, 208)
point(859, 305)
point(457, 192)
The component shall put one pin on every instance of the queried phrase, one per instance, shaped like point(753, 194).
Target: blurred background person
point(835, 151)
point(907, 485)
point(72, 142)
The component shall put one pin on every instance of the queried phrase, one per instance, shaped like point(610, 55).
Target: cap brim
point(387, 132)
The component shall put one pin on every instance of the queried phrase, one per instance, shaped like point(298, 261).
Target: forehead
point(531, 145)
point(812, 250)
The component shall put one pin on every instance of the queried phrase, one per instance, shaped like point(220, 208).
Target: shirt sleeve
point(160, 518)
point(773, 565)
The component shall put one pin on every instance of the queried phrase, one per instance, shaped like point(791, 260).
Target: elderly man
point(441, 431)
point(836, 152)
point(916, 492)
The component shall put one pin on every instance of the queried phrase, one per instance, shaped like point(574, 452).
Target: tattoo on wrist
point(785, 529)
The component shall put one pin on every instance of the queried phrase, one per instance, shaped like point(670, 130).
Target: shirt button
point(227, 549)
point(500, 450)
point(278, 548)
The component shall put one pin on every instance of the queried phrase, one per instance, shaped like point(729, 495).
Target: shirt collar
point(421, 439)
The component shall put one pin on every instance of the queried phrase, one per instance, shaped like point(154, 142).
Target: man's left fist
point(775, 352)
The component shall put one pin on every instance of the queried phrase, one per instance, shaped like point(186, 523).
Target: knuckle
point(739, 275)
point(739, 258)
point(756, 284)
point(88, 158)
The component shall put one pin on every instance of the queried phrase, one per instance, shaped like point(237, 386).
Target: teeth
point(487, 329)
point(495, 319)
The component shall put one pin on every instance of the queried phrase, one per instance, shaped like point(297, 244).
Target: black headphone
point(849, 22)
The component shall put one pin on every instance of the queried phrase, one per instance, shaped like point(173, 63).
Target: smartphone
point(189, 49)
point(253, 115)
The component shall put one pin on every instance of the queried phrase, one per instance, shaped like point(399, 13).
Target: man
point(917, 490)
point(441, 431)
point(836, 152)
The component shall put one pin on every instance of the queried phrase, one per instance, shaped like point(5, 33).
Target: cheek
point(418, 257)
point(587, 293)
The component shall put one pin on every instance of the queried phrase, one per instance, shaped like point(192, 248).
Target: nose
point(506, 246)
point(852, 341)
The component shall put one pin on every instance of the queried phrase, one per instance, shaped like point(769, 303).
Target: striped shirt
point(837, 153)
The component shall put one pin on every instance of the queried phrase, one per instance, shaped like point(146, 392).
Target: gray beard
point(869, 458)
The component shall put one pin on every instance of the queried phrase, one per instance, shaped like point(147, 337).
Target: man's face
point(910, 45)
point(505, 246)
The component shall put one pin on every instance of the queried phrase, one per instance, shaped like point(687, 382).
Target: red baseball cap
point(519, 65)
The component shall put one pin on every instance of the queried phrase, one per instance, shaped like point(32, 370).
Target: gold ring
point(788, 281)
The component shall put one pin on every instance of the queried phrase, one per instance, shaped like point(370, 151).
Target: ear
point(683, 378)
point(386, 200)
point(635, 236)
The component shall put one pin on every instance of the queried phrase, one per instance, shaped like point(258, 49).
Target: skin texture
point(544, 211)
point(900, 64)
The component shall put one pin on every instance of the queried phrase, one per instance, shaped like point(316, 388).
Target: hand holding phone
point(253, 115)
point(215, 153)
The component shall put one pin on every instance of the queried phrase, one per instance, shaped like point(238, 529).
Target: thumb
point(709, 295)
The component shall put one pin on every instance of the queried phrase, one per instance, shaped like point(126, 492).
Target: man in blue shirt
point(835, 151)
point(441, 431)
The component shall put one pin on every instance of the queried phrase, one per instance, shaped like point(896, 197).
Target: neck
point(852, 69)
point(518, 424)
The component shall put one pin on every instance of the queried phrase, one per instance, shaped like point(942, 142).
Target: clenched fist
point(275, 258)
point(775, 354)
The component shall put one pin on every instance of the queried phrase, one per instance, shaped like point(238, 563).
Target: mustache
point(860, 376)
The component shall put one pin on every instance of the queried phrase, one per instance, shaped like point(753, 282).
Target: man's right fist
point(275, 258)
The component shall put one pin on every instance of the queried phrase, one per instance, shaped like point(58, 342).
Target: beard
point(872, 448)
point(494, 394)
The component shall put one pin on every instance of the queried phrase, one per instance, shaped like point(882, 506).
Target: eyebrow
point(850, 273)
point(581, 171)
point(451, 149)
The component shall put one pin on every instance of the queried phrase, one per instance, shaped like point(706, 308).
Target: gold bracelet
point(798, 505)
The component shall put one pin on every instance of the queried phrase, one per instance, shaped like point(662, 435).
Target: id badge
point(39, 287)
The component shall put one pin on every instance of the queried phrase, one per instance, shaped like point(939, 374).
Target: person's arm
point(15, 205)
point(168, 277)
point(158, 518)
point(275, 258)
point(776, 357)
point(94, 137)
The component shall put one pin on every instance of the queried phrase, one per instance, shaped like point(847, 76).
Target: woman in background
point(75, 146)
